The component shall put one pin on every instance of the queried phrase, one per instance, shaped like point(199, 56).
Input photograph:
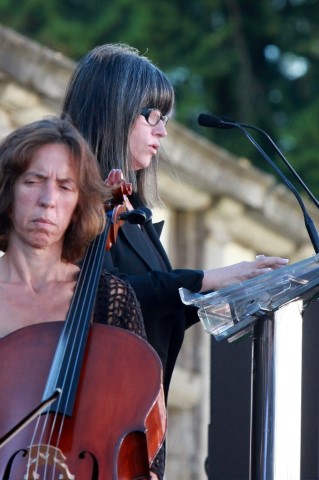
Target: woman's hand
point(218, 278)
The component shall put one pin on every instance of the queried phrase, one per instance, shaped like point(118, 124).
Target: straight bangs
point(159, 93)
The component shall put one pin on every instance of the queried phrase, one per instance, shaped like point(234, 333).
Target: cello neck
point(67, 362)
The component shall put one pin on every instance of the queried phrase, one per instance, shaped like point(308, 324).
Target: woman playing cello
point(52, 201)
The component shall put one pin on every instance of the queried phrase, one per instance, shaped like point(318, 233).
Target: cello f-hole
point(7, 472)
point(95, 469)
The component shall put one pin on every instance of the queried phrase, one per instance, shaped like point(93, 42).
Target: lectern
point(270, 309)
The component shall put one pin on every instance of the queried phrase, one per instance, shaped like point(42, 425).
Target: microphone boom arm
point(212, 121)
point(310, 226)
point(288, 165)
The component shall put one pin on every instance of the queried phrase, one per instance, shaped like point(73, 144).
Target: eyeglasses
point(153, 116)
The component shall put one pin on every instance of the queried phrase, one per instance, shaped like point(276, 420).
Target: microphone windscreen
point(212, 121)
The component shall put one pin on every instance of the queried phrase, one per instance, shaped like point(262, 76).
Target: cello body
point(119, 419)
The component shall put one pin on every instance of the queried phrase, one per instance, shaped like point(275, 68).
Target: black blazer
point(139, 258)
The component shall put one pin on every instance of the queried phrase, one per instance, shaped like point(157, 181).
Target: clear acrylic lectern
point(270, 308)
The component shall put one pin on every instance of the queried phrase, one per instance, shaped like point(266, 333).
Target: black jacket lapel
point(134, 236)
point(152, 230)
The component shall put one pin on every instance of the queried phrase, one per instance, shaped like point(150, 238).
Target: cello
point(98, 388)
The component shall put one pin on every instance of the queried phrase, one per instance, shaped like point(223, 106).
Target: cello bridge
point(46, 457)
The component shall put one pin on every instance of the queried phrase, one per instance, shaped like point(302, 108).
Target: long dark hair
point(108, 89)
point(16, 153)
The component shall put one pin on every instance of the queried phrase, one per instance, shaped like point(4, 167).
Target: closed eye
point(68, 186)
point(30, 179)
point(31, 182)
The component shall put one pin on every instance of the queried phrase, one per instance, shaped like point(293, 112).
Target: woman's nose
point(47, 198)
point(160, 129)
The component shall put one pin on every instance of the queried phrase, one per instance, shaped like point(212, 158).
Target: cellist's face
point(45, 198)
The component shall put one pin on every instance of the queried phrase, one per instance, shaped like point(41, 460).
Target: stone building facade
point(219, 209)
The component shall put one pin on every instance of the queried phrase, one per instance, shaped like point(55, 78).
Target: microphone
point(212, 121)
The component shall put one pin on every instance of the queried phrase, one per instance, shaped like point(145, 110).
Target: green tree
point(255, 62)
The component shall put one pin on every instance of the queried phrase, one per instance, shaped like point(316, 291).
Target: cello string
point(81, 312)
point(79, 320)
point(37, 418)
point(30, 448)
point(45, 417)
point(76, 317)
point(95, 257)
point(96, 254)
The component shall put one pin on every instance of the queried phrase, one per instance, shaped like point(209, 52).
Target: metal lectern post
point(276, 405)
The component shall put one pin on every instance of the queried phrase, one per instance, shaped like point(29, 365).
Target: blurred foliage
point(255, 62)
